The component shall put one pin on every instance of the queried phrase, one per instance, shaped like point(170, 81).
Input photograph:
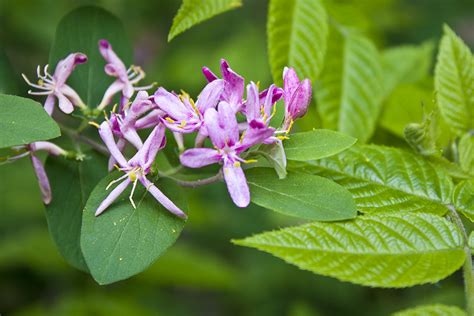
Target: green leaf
point(124, 241)
point(463, 198)
point(80, 31)
point(193, 12)
point(300, 195)
point(316, 144)
point(432, 310)
point(471, 240)
point(23, 121)
point(297, 33)
point(350, 90)
point(466, 152)
point(71, 183)
point(454, 82)
point(276, 157)
point(383, 179)
point(406, 64)
point(422, 137)
point(7, 75)
point(385, 250)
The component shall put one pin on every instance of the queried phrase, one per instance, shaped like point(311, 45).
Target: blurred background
point(203, 274)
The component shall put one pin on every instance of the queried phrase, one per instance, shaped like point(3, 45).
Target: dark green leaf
point(23, 121)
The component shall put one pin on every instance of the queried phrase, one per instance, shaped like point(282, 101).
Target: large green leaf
point(432, 310)
point(71, 183)
point(386, 250)
point(466, 152)
point(23, 121)
point(300, 195)
point(316, 144)
point(297, 33)
point(454, 82)
point(463, 198)
point(193, 12)
point(124, 241)
point(350, 92)
point(383, 179)
point(80, 31)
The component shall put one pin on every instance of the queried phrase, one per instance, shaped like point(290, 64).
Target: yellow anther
point(94, 124)
point(114, 108)
point(183, 124)
point(236, 164)
point(283, 137)
point(250, 160)
point(133, 176)
point(40, 82)
point(258, 84)
point(169, 119)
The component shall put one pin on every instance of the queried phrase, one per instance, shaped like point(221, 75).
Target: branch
point(86, 140)
point(196, 183)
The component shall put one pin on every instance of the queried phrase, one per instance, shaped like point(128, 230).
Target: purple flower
point(136, 169)
point(38, 167)
point(55, 87)
point(234, 85)
point(297, 96)
point(125, 78)
point(224, 133)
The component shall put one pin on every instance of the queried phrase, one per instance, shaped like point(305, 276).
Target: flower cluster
point(231, 123)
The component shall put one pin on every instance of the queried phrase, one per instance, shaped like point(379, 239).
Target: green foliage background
point(203, 274)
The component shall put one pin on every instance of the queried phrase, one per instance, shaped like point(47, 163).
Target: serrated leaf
point(192, 12)
point(300, 195)
point(71, 183)
point(316, 144)
point(454, 82)
point(384, 179)
point(80, 31)
point(466, 152)
point(406, 64)
point(432, 310)
point(24, 121)
point(463, 198)
point(297, 33)
point(387, 250)
point(124, 241)
point(350, 90)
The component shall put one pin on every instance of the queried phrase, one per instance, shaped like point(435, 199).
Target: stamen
point(131, 193)
point(115, 181)
point(282, 137)
point(40, 93)
point(169, 119)
point(114, 108)
point(290, 126)
point(93, 124)
point(236, 164)
point(34, 85)
point(250, 161)
point(183, 124)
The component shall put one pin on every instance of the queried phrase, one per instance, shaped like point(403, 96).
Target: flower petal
point(147, 153)
point(228, 123)
point(120, 145)
point(290, 83)
point(49, 104)
point(49, 147)
point(252, 106)
point(236, 184)
point(234, 87)
point(256, 133)
point(64, 104)
point(42, 177)
point(65, 67)
point(115, 62)
point(112, 90)
point(199, 157)
point(112, 196)
point(210, 95)
point(161, 198)
point(107, 136)
point(210, 76)
point(171, 105)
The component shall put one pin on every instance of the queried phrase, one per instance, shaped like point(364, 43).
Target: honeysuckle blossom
point(31, 150)
point(234, 85)
point(55, 87)
point(136, 169)
point(223, 131)
point(126, 79)
point(297, 95)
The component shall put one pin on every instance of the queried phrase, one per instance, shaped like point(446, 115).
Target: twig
point(196, 183)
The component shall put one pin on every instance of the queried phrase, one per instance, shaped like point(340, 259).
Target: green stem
point(467, 268)
point(196, 183)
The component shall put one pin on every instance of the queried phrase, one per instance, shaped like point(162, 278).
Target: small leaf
point(71, 183)
point(297, 33)
point(386, 250)
point(350, 90)
point(80, 31)
point(276, 157)
point(432, 310)
point(316, 144)
point(383, 179)
point(23, 121)
point(463, 198)
point(454, 82)
point(466, 152)
point(300, 195)
point(124, 241)
point(193, 12)
point(422, 136)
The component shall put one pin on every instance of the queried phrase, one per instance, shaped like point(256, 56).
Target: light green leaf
point(386, 250)
point(463, 198)
point(349, 93)
point(316, 144)
point(23, 121)
point(383, 179)
point(454, 82)
point(71, 183)
point(193, 12)
point(275, 156)
point(300, 195)
point(124, 241)
point(406, 64)
point(471, 240)
point(432, 310)
point(80, 31)
point(466, 152)
point(297, 33)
